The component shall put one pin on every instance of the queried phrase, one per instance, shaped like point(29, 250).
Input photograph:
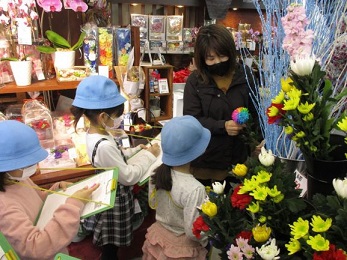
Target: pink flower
point(50, 5)
point(77, 5)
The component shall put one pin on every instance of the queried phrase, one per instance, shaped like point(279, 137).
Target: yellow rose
point(240, 170)
point(209, 208)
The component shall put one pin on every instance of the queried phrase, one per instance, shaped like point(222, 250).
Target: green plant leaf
point(45, 49)
point(57, 40)
point(79, 43)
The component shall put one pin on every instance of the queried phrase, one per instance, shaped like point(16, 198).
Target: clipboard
point(6, 250)
point(155, 164)
point(102, 199)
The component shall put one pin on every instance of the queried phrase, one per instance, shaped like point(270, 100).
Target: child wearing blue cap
point(98, 98)
point(21, 200)
point(176, 194)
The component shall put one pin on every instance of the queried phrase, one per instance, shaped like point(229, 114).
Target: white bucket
point(64, 59)
point(21, 71)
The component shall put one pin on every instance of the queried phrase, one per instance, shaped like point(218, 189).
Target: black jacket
point(212, 108)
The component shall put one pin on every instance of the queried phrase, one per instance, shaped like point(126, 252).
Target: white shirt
point(109, 155)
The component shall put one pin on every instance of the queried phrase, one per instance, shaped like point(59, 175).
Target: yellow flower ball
point(261, 233)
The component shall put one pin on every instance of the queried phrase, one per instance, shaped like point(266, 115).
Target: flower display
point(264, 217)
point(306, 102)
point(181, 76)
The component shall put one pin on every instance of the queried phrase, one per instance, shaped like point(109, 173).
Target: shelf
point(45, 85)
point(159, 94)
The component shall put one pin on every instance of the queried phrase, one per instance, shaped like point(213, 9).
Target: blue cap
point(183, 139)
point(97, 92)
point(20, 146)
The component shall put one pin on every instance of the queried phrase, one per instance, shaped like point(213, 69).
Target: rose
point(240, 201)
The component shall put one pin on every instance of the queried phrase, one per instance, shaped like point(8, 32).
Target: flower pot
point(21, 71)
point(64, 59)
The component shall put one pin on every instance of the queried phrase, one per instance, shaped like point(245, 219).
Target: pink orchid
point(77, 5)
point(50, 5)
point(4, 19)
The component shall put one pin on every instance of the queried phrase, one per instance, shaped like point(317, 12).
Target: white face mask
point(26, 173)
point(116, 123)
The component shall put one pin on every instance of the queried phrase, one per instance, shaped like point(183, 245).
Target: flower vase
point(320, 173)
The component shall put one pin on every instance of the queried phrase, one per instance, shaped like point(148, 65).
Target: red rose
point(198, 226)
point(332, 254)
point(240, 201)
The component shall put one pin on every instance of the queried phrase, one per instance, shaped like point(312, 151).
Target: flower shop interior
point(296, 51)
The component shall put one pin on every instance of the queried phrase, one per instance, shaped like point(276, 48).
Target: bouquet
point(307, 106)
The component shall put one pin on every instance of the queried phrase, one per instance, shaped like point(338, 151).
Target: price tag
point(24, 33)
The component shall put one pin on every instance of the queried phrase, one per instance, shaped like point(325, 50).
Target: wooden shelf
point(45, 85)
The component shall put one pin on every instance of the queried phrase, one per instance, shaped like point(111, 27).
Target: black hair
point(215, 38)
point(3, 178)
point(162, 177)
point(92, 114)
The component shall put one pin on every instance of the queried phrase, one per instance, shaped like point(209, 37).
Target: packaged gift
point(141, 21)
point(157, 46)
point(90, 51)
point(58, 157)
point(156, 27)
point(38, 116)
point(174, 46)
point(105, 51)
point(123, 38)
point(76, 73)
point(63, 128)
point(14, 112)
point(174, 27)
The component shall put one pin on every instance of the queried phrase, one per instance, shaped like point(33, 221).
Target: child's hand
point(86, 193)
point(154, 149)
point(64, 184)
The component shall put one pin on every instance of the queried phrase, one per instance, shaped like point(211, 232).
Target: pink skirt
point(161, 244)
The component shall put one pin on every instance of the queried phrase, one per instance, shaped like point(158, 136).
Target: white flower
point(269, 251)
point(266, 158)
point(218, 188)
point(340, 187)
point(303, 66)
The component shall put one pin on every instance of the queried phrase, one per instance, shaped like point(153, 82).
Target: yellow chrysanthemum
point(288, 130)
point(279, 98)
point(305, 108)
point(294, 93)
point(301, 134)
point(274, 192)
point(261, 233)
point(318, 243)
point(308, 117)
point(278, 198)
point(343, 124)
point(273, 111)
point(260, 193)
point(209, 208)
point(254, 207)
point(293, 246)
point(248, 185)
point(263, 176)
point(286, 84)
point(291, 104)
point(319, 225)
point(262, 219)
point(299, 228)
point(240, 170)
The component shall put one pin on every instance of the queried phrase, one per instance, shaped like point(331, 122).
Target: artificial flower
point(261, 233)
point(269, 251)
point(340, 187)
point(266, 158)
point(240, 115)
point(240, 170)
point(218, 188)
point(209, 208)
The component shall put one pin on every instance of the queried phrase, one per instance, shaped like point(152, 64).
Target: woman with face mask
point(21, 200)
point(218, 86)
point(97, 98)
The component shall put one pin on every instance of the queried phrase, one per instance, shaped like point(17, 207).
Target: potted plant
point(63, 53)
point(21, 68)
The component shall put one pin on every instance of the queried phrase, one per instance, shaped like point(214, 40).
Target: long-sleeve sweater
point(19, 208)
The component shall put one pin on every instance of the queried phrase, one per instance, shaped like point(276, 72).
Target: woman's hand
point(85, 194)
point(233, 128)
